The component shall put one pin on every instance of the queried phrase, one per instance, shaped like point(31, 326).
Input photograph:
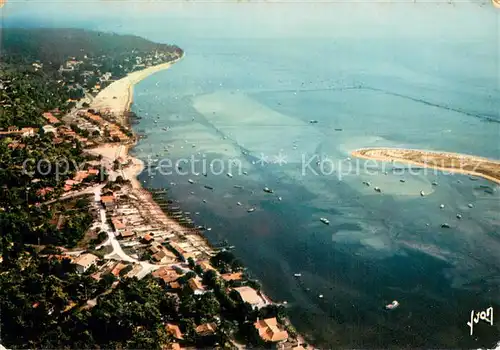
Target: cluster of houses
point(96, 123)
point(79, 177)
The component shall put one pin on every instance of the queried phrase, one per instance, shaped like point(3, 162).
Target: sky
point(476, 19)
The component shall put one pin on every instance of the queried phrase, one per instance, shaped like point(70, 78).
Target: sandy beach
point(443, 161)
point(118, 96)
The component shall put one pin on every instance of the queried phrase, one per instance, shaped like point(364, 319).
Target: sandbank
point(444, 161)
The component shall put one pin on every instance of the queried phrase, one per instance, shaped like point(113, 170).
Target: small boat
point(268, 190)
point(312, 121)
point(229, 175)
point(238, 186)
point(434, 183)
point(459, 216)
point(366, 183)
point(297, 275)
point(470, 205)
point(209, 229)
point(208, 187)
point(441, 206)
point(338, 129)
point(204, 201)
point(245, 173)
point(320, 296)
point(251, 210)
point(238, 203)
point(325, 221)
point(377, 189)
point(191, 192)
point(279, 198)
point(392, 305)
point(422, 193)
point(205, 174)
point(190, 181)
point(445, 225)
point(403, 180)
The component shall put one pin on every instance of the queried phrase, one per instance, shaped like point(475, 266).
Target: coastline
point(112, 151)
point(118, 96)
point(434, 160)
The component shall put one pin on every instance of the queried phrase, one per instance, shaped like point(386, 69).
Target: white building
point(84, 261)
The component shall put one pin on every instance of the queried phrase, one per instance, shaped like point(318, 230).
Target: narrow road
point(115, 244)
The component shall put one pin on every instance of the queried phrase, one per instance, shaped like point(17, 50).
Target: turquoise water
point(236, 100)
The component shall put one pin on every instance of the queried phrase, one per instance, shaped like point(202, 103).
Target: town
point(109, 230)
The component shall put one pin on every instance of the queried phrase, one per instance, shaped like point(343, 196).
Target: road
point(115, 244)
point(76, 194)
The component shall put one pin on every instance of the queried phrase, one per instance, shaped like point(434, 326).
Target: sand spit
point(444, 161)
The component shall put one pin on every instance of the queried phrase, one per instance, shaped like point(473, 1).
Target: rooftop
point(269, 331)
point(249, 295)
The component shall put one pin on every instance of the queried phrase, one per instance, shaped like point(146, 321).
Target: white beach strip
point(117, 97)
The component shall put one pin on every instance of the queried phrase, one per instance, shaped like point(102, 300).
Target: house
point(12, 129)
point(162, 257)
point(126, 234)
point(44, 191)
point(174, 285)
point(16, 145)
point(232, 276)
point(49, 129)
point(270, 331)
point(173, 330)
point(166, 274)
point(118, 224)
point(84, 261)
point(196, 286)
point(249, 295)
point(28, 132)
point(50, 118)
point(147, 238)
point(108, 202)
point(206, 329)
point(81, 175)
point(116, 270)
point(205, 265)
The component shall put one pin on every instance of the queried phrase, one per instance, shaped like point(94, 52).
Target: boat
point(208, 187)
point(204, 201)
point(459, 216)
point(470, 205)
point(209, 229)
point(205, 174)
point(238, 186)
point(238, 203)
point(366, 183)
point(251, 210)
point(325, 221)
point(377, 189)
point(190, 181)
point(297, 275)
point(229, 175)
point(268, 190)
point(422, 193)
point(445, 225)
point(392, 305)
point(403, 180)
point(245, 173)
point(312, 121)
point(338, 129)
point(279, 198)
point(441, 206)
point(434, 183)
